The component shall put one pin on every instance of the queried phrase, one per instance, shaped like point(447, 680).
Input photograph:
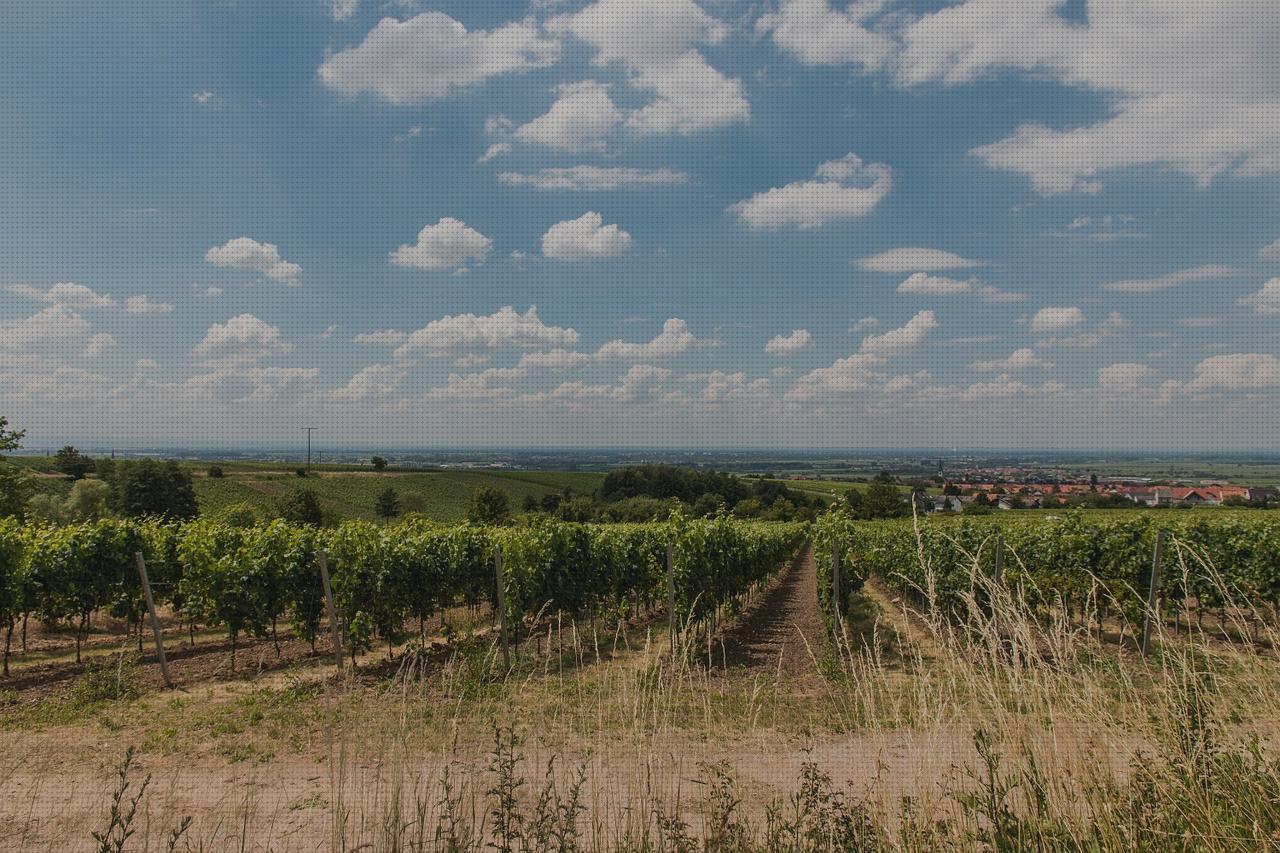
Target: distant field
point(443, 495)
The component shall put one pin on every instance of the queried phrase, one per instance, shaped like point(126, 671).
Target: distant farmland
point(438, 495)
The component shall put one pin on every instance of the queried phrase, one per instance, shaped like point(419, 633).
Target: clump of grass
point(108, 680)
point(124, 811)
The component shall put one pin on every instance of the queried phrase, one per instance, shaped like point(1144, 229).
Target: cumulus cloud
point(864, 324)
point(594, 178)
point(940, 285)
point(1173, 279)
point(341, 10)
point(1056, 319)
point(382, 338)
point(916, 259)
point(788, 344)
point(1266, 300)
point(242, 338)
point(75, 296)
point(447, 245)
point(1174, 75)
point(582, 119)
point(556, 359)
point(657, 42)
point(840, 189)
point(98, 345)
point(376, 380)
point(902, 340)
point(1234, 372)
point(585, 238)
point(505, 327)
point(1271, 252)
point(1020, 359)
point(245, 253)
point(431, 56)
point(51, 326)
point(143, 304)
point(816, 34)
point(674, 339)
point(1123, 377)
point(847, 374)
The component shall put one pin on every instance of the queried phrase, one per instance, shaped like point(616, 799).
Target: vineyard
point(1097, 565)
point(249, 580)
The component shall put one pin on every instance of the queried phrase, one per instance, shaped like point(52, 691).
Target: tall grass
point(1048, 735)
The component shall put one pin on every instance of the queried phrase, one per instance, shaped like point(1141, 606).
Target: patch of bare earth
point(780, 631)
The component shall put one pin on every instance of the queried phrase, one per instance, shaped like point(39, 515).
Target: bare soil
point(781, 631)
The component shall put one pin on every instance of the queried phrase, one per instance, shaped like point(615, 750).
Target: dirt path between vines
point(781, 631)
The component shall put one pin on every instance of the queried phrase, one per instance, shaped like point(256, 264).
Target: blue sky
point(644, 222)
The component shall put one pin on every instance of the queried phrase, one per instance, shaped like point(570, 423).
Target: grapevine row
point(1079, 562)
point(249, 579)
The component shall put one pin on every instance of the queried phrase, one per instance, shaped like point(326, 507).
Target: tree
point(378, 463)
point(388, 504)
point(302, 506)
point(88, 500)
point(147, 488)
point(853, 498)
point(15, 485)
point(215, 472)
point(72, 462)
point(882, 501)
point(489, 506)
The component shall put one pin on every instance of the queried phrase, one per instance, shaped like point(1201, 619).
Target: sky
point(690, 223)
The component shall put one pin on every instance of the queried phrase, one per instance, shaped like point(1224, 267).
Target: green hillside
point(439, 495)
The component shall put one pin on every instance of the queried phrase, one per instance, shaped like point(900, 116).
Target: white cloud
point(1236, 372)
point(1020, 359)
point(431, 56)
point(816, 34)
point(788, 344)
point(244, 253)
point(902, 340)
point(1271, 252)
point(848, 374)
point(594, 178)
point(382, 338)
point(494, 151)
point(341, 10)
point(142, 304)
point(242, 338)
point(864, 324)
point(447, 245)
point(556, 359)
point(1266, 300)
point(505, 327)
point(1123, 377)
point(1056, 319)
point(657, 42)
point(1174, 74)
point(74, 296)
point(202, 97)
point(212, 292)
point(674, 339)
point(470, 360)
point(50, 326)
point(582, 119)
point(99, 345)
point(935, 285)
point(1173, 279)
point(585, 238)
point(376, 380)
point(917, 259)
point(840, 189)
point(939, 285)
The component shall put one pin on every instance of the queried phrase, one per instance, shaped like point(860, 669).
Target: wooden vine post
point(835, 583)
point(671, 596)
point(997, 579)
point(502, 607)
point(1153, 594)
point(322, 557)
point(155, 622)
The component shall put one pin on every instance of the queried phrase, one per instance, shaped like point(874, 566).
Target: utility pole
point(308, 431)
